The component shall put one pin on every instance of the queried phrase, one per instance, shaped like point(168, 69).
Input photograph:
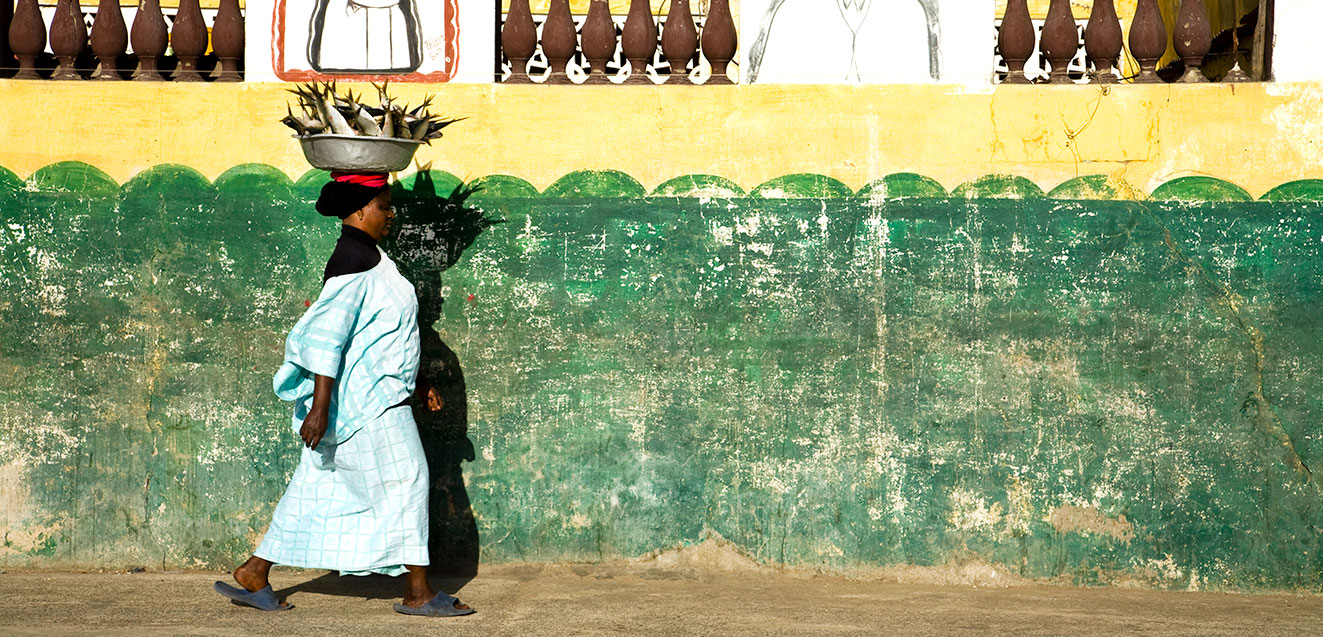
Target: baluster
point(189, 40)
point(27, 38)
point(110, 38)
point(68, 38)
point(519, 40)
point(148, 37)
point(719, 40)
point(1193, 38)
point(1060, 40)
point(1102, 40)
point(1148, 40)
point(559, 41)
point(1015, 40)
point(227, 40)
point(638, 41)
point(679, 39)
point(599, 41)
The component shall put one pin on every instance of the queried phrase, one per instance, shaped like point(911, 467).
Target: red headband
point(371, 180)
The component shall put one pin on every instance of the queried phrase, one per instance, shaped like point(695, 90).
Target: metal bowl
point(355, 153)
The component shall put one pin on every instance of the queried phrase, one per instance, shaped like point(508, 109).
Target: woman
point(358, 500)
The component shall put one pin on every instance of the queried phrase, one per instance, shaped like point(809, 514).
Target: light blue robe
point(359, 502)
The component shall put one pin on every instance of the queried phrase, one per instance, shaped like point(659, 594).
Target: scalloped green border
point(1303, 190)
point(503, 186)
point(73, 176)
point(802, 186)
point(699, 186)
point(998, 187)
point(245, 174)
point(88, 180)
point(165, 178)
point(596, 183)
point(901, 186)
point(8, 180)
point(1200, 189)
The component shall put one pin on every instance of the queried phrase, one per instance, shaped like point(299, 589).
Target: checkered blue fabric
point(363, 332)
point(358, 503)
point(357, 506)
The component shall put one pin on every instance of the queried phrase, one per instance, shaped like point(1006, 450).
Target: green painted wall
point(1100, 391)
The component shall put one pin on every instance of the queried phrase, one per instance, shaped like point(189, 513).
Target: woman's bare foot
point(254, 574)
point(418, 591)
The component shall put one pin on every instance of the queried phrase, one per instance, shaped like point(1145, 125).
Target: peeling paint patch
point(1089, 521)
point(1299, 125)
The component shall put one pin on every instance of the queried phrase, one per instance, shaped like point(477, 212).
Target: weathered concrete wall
point(1116, 383)
point(1102, 391)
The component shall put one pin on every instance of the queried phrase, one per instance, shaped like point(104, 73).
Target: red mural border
point(444, 75)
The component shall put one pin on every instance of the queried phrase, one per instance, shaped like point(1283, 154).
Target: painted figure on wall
point(365, 40)
point(862, 41)
point(365, 36)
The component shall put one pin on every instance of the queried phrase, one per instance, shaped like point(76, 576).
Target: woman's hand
point(424, 392)
point(314, 427)
point(434, 402)
point(318, 418)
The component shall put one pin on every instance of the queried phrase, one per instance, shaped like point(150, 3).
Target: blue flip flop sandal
point(442, 605)
point(264, 599)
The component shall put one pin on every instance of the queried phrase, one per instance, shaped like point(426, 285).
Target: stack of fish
point(324, 111)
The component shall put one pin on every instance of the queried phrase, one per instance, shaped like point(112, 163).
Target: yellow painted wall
point(1256, 135)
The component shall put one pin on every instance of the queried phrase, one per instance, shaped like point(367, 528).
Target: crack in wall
point(1265, 417)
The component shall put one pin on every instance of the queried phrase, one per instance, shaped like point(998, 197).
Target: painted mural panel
point(866, 41)
point(400, 40)
point(322, 38)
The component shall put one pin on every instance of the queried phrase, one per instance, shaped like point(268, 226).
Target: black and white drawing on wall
point(856, 41)
point(366, 37)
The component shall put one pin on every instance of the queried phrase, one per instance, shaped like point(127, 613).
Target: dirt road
point(564, 600)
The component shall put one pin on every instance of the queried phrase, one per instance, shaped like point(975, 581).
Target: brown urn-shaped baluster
point(559, 41)
point(188, 38)
point(68, 38)
point(110, 38)
point(1148, 40)
point(27, 38)
point(599, 41)
point(519, 40)
point(679, 39)
point(719, 40)
point(638, 41)
point(227, 40)
point(148, 37)
point(1015, 39)
point(1060, 40)
point(1193, 38)
point(1102, 40)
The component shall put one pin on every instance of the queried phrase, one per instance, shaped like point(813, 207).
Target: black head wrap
point(341, 199)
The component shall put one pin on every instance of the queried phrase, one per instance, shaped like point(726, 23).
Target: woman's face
point(376, 217)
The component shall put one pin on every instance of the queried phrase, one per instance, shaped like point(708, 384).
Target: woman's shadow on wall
point(432, 233)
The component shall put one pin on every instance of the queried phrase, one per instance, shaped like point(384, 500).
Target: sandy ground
point(568, 600)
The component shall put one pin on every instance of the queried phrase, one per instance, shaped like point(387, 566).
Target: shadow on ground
point(364, 587)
